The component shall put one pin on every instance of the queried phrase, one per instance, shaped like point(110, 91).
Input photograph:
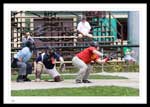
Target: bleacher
point(60, 32)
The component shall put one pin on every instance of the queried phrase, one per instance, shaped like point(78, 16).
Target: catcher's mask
point(95, 44)
point(50, 50)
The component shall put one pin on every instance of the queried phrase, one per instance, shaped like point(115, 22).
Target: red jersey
point(87, 55)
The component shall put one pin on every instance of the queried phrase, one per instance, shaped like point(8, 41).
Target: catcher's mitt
point(112, 56)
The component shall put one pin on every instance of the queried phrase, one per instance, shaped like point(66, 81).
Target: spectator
point(84, 28)
point(128, 52)
point(27, 37)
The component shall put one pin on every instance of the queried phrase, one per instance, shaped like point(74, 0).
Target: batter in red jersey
point(83, 60)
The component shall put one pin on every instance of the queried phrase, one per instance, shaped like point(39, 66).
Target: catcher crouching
point(46, 62)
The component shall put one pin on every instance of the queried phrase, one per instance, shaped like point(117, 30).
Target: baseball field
point(103, 84)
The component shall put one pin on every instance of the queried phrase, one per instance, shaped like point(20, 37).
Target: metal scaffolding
point(58, 29)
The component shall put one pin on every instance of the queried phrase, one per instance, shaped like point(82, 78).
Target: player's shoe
point(78, 81)
point(86, 81)
point(20, 78)
point(26, 79)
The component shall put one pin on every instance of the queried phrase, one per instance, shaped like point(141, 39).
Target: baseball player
point(21, 59)
point(83, 59)
point(46, 61)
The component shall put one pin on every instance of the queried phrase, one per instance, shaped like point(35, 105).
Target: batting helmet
point(95, 44)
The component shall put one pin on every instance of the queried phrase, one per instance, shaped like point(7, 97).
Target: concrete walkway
point(132, 81)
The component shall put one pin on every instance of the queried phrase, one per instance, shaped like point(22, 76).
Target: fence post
point(102, 58)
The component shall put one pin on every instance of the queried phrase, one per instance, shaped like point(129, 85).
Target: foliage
point(108, 67)
point(117, 67)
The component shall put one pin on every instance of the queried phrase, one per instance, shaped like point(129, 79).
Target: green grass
point(47, 77)
point(82, 91)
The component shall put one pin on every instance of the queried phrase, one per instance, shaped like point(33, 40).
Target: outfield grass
point(82, 91)
point(47, 77)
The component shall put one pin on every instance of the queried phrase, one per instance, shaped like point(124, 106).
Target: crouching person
point(39, 67)
point(21, 61)
point(83, 59)
point(46, 61)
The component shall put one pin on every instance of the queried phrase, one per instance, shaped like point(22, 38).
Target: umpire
point(20, 61)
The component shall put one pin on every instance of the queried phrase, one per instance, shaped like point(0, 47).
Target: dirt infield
point(132, 81)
